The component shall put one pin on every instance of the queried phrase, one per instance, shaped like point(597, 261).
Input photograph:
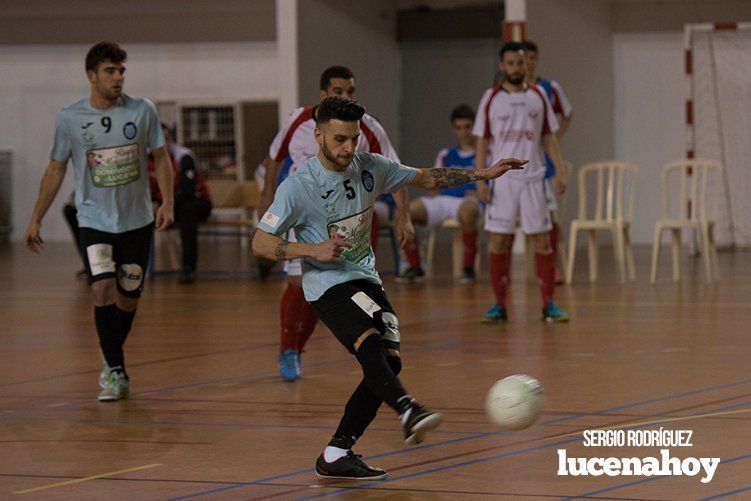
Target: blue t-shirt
point(456, 158)
point(109, 149)
point(321, 204)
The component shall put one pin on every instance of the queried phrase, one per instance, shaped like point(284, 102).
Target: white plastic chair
point(613, 211)
point(693, 176)
point(457, 248)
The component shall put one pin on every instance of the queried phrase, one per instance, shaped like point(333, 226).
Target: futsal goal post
point(718, 118)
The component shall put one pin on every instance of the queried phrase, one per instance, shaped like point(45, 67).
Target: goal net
point(718, 117)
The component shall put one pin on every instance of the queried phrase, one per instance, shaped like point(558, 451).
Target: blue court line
point(726, 494)
point(521, 451)
point(235, 425)
point(479, 435)
point(447, 467)
point(653, 479)
point(179, 387)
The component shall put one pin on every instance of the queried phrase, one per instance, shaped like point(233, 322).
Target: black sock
point(110, 336)
point(361, 409)
point(126, 320)
point(378, 374)
point(342, 441)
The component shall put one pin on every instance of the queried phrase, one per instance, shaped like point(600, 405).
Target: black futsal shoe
point(421, 421)
point(349, 467)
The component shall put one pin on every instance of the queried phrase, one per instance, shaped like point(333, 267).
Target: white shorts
point(518, 201)
point(293, 267)
point(550, 197)
point(443, 207)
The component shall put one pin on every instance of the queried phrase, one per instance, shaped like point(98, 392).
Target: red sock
point(308, 325)
point(500, 266)
point(374, 231)
point(470, 248)
point(554, 240)
point(545, 264)
point(412, 250)
point(289, 317)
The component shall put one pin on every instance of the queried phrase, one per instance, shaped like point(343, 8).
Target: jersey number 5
point(349, 190)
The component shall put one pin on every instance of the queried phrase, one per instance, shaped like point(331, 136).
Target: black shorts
point(124, 256)
point(350, 309)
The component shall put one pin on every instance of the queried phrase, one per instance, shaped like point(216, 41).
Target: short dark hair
point(339, 108)
point(334, 72)
point(530, 46)
point(510, 47)
point(463, 111)
point(104, 51)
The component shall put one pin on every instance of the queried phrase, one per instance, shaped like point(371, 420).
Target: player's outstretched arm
point(405, 230)
point(441, 177)
point(48, 188)
point(272, 247)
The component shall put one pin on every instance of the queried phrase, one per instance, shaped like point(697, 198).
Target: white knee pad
point(129, 277)
point(391, 327)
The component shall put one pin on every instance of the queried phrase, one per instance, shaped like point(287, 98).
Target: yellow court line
point(656, 421)
point(85, 479)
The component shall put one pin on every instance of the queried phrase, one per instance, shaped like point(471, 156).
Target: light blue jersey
point(109, 149)
point(321, 204)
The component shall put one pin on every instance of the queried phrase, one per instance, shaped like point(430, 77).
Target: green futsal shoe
point(104, 376)
point(117, 387)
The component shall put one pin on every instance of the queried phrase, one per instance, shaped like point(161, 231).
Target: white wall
point(438, 75)
point(37, 80)
point(576, 49)
point(649, 107)
point(362, 36)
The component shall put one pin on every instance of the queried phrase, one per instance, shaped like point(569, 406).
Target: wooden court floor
point(209, 417)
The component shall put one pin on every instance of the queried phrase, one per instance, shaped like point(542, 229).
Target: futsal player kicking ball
point(329, 204)
point(108, 137)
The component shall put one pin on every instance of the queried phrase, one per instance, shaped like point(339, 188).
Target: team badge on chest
point(129, 130)
point(367, 180)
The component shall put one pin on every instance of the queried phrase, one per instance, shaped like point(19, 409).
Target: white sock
point(331, 454)
point(405, 416)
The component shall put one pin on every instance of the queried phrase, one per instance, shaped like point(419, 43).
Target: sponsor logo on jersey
point(330, 210)
point(517, 135)
point(367, 180)
point(111, 167)
point(327, 195)
point(88, 124)
point(130, 130)
point(271, 219)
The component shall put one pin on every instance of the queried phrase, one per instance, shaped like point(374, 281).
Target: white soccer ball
point(514, 402)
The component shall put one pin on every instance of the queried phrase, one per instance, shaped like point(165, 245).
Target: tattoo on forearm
point(447, 178)
point(281, 250)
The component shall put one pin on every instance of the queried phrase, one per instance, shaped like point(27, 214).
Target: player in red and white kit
point(296, 140)
point(517, 120)
point(563, 111)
